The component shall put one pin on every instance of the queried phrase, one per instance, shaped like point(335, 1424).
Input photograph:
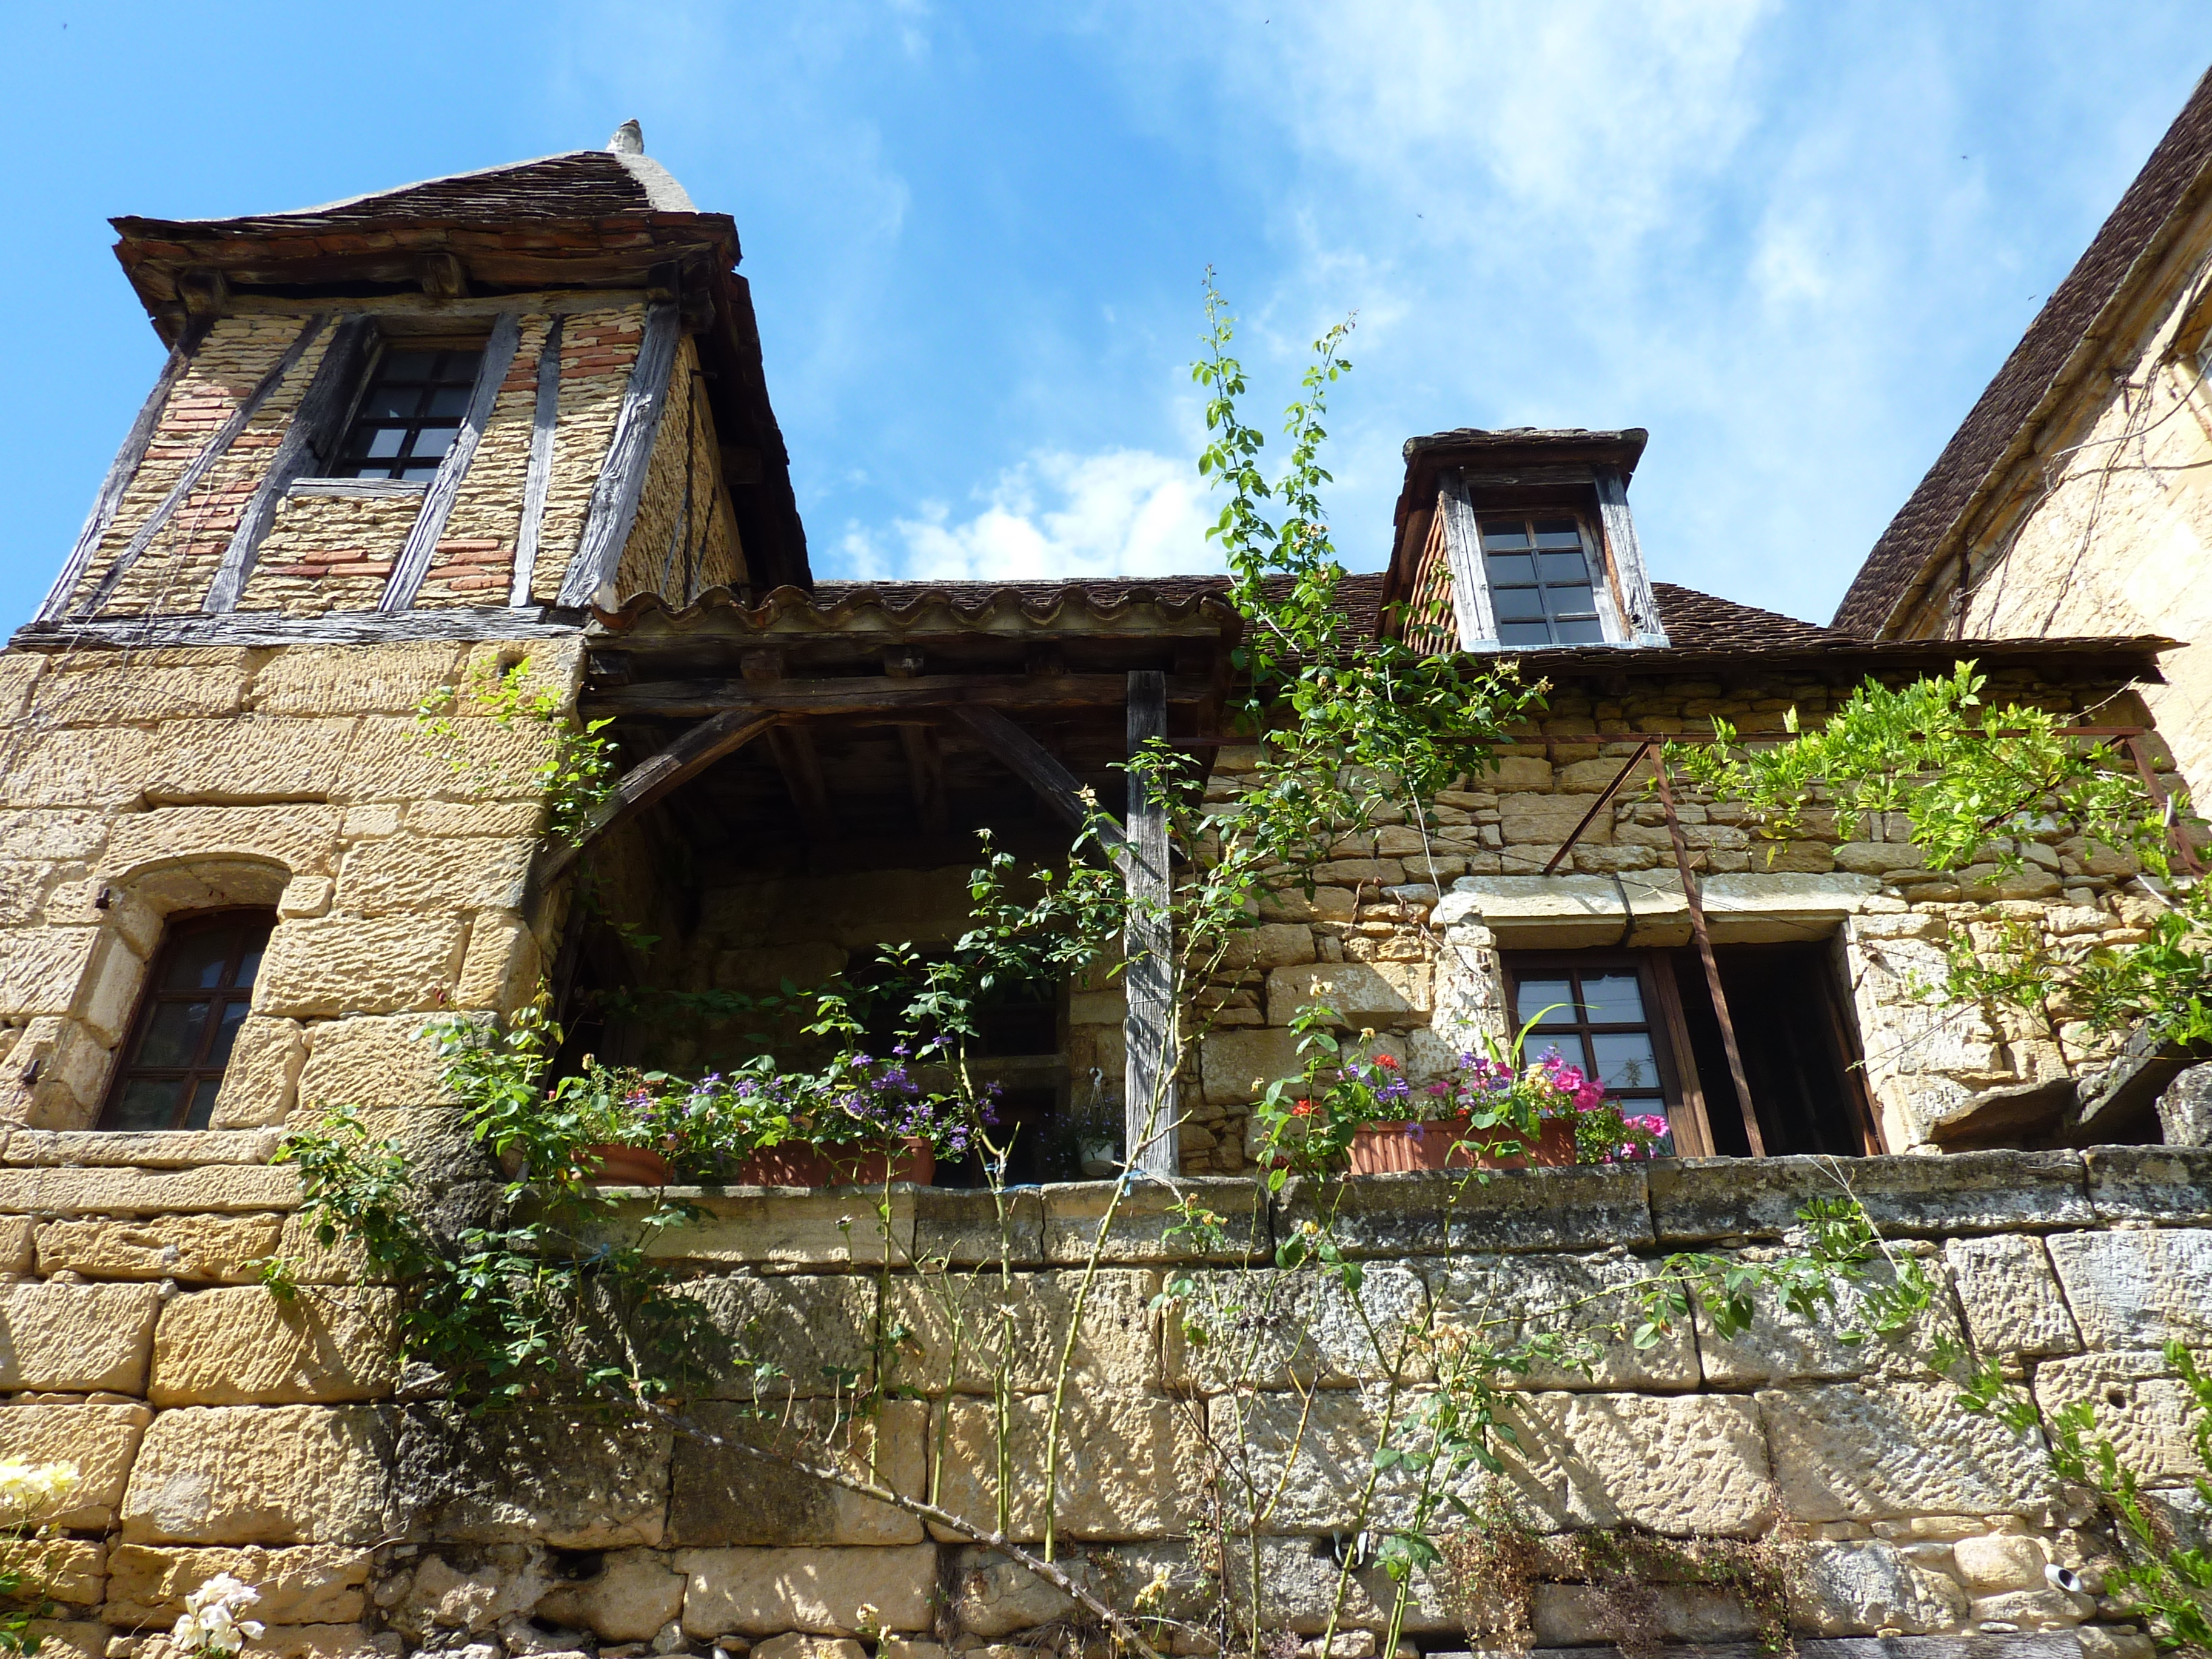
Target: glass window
point(409, 413)
point(1543, 578)
point(196, 999)
point(1598, 1019)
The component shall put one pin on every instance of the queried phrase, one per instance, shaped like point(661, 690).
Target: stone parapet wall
point(221, 1428)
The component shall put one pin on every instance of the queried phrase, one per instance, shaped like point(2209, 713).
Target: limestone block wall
point(133, 785)
point(221, 1429)
point(1402, 932)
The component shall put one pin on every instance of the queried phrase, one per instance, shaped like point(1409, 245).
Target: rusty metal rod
point(1567, 846)
point(2174, 830)
point(1704, 938)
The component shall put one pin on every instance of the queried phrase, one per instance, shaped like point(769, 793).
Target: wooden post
point(1704, 938)
point(537, 476)
point(121, 472)
point(622, 476)
point(420, 547)
point(1148, 1031)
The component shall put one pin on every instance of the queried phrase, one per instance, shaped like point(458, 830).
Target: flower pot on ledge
point(1384, 1148)
point(629, 1166)
point(801, 1163)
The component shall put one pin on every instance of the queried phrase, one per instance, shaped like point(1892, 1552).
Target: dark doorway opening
point(1799, 1057)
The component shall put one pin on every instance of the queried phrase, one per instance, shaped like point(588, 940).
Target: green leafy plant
point(2169, 1585)
point(578, 766)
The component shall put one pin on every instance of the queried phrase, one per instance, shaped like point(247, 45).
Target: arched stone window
point(195, 1001)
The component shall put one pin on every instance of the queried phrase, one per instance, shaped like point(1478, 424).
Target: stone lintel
point(1562, 912)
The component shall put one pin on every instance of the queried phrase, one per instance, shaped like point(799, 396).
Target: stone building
point(2073, 499)
point(515, 421)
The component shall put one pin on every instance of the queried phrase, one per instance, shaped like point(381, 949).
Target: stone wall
point(221, 1429)
point(684, 540)
point(133, 785)
point(1402, 931)
point(2101, 524)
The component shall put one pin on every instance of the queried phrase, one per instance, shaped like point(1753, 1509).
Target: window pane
point(250, 963)
point(1524, 632)
point(1571, 601)
point(1557, 532)
point(1533, 996)
point(1612, 999)
point(172, 1035)
point(1512, 568)
point(458, 368)
point(1518, 604)
point(406, 365)
point(382, 440)
point(1625, 1060)
point(449, 400)
point(144, 1104)
point(203, 1108)
point(1563, 567)
point(1585, 632)
point(433, 443)
point(197, 961)
point(395, 403)
point(225, 1033)
point(426, 470)
point(1503, 535)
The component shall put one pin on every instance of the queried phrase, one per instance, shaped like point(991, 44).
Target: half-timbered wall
point(332, 546)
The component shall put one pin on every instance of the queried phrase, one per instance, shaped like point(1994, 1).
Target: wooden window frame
point(1662, 1009)
point(346, 463)
point(152, 996)
point(1595, 577)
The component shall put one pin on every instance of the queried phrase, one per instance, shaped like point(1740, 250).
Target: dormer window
point(1520, 541)
point(1542, 580)
point(410, 413)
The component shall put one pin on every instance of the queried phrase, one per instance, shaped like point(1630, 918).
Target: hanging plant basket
point(800, 1164)
point(1385, 1148)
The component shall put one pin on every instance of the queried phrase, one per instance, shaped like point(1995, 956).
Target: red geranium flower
point(1303, 1108)
point(1386, 1062)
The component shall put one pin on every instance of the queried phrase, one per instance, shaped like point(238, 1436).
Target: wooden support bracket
point(648, 781)
point(1035, 765)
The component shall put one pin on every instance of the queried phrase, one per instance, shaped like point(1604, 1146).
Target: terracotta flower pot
point(629, 1166)
point(799, 1164)
point(1381, 1148)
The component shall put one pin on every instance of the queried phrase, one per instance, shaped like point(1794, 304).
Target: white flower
point(27, 1489)
point(210, 1624)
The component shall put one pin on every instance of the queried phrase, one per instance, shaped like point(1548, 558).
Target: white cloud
point(1123, 511)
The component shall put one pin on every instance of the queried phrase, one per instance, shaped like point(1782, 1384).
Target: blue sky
point(1793, 241)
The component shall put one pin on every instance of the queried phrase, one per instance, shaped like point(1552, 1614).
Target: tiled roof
point(578, 184)
point(1694, 621)
point(2036, 368)
point(1699, 621)
point(1705, 634)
